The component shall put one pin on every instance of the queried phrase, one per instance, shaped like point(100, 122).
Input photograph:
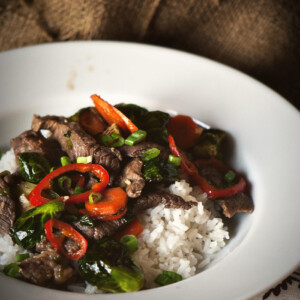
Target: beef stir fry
point(84, 180)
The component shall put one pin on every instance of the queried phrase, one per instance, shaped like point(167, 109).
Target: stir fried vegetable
point(29, 227)
point(184, 130)
point(68, 231)
point(134, 227)
point(167, 277)
point(113, 115)
point(33, 166)
point(109, 266)
point(112, 205)
point(156, 169)
point(209, 144)
point(90, 120)
point(36, 196)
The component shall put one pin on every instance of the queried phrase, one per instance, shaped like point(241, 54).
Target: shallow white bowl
point(265, 246)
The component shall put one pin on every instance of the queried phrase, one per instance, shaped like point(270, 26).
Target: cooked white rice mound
point(179, 240)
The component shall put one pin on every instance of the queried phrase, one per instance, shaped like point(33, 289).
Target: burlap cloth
point(258, 37)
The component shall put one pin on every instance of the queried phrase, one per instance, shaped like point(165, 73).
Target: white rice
point(179, 240)
point(182, 241)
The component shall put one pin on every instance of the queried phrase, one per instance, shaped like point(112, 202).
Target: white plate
point(265, 246)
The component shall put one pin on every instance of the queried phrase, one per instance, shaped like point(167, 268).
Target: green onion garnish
point(150, 154)
point(229, 176)
point(65, 183)
point(11, 270)
point(136, 137)
point(52, 169)
point(130, 242)
point(65, 160)
point(21, 257)
point(174, 160)
point(78, 190)
point(0, 154)
point(167, 277)
point(113, 140)
point(84, 159)
point(94, 197)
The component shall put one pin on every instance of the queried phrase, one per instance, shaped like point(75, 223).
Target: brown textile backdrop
point(258, 37)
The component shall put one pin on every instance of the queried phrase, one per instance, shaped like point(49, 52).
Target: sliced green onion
point(84, 159)
point(229, 176)
point(113, 140)
point(174, 160)
point(136, 137)
point(94, 197)
point(167, 277)
point(78, 190)
point(150, 154)
point(11, 270)
point(52, 169)
point(65, 160)
point(65, 183)
point(21, 257)
point(130, 242)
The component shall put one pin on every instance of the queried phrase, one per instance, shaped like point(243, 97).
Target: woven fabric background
point(258, 37)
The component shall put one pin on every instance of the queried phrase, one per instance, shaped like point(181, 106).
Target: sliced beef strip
point(141, 148)
point(7, 208)
point(132, 179)
point(239, 202)
point(33, 141)
point(76, 142)
point(100, 229)
point(213, 176)
point(44, 245)
point(152, 199)
point(45, 268)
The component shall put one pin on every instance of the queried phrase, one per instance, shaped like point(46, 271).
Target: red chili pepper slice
point(36, 198)
point(67, 231)
point(112, 205)
point(191, 169)
point(134, 227)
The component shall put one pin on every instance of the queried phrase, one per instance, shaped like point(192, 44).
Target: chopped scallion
point(65, 160)
point(21, 257)
point(130, 242)
point(11, 270)
point(174, 160)
point(94, 197)
point(229, 176)
point(150, 154)
point(84, 159)
point(65, 183)
point(136, 137)
point(113, 140)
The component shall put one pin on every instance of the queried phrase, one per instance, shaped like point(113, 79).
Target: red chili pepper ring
point(36, 198)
